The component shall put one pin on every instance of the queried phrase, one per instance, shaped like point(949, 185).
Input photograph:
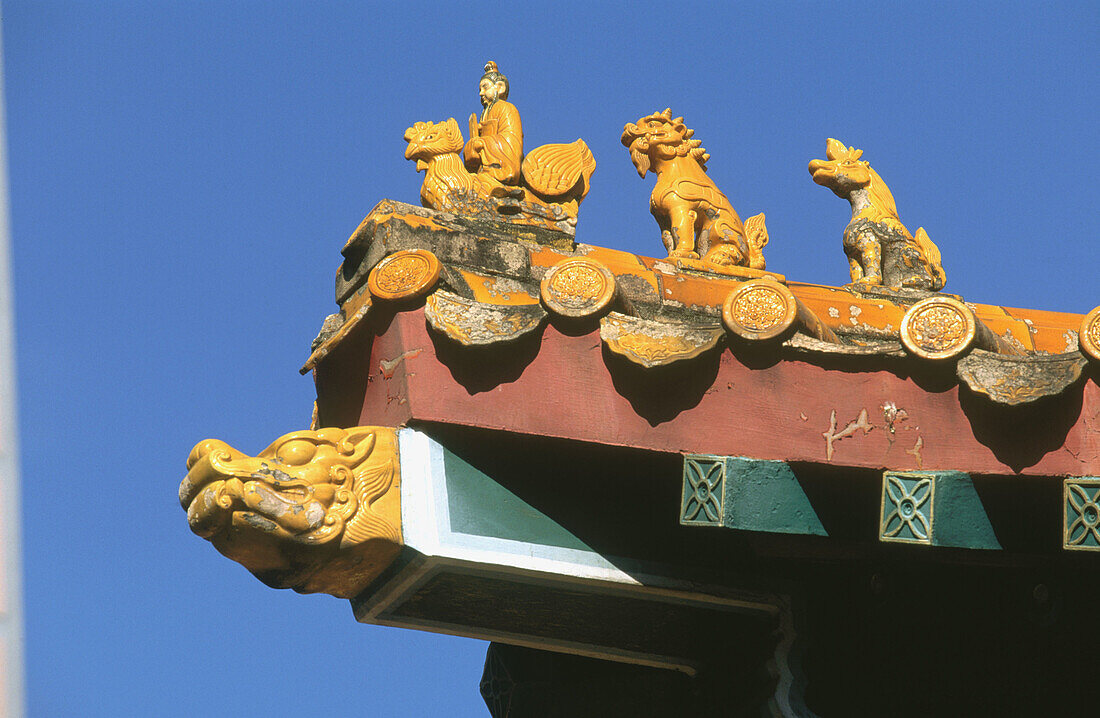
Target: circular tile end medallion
point(938, 328)
point(578, 287)
point(1089, 335)
point(404, 275)
point(759, 309)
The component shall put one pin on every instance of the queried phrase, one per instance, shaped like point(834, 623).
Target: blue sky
point(183, 176)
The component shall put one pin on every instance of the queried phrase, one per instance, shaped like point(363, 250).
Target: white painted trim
point(419, 456)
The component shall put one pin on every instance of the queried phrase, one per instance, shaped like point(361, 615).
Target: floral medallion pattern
point(704, 483)
point(1081, 514)
point(906, 508)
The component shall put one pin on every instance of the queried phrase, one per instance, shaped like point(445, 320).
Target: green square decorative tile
point(1081, 514)
point(704, 485)
point(907, 502)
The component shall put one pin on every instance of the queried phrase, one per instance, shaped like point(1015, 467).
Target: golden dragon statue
point(695, 217)
point(317, 511)
point(880, 250)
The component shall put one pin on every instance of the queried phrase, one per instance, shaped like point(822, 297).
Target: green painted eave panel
point(766, 496)
point(746, 494)
point(480, 506)
point(934, 508)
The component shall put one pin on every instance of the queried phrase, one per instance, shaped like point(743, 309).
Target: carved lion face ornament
point(310, 497)
point(299, 488)
point(660, 136)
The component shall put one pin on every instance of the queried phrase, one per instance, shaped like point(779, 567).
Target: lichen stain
point(832, 435)
point(491, 288)
point(387, 367)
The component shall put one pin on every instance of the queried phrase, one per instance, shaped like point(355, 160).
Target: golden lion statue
point(880, 249)
point(317, 511)
point(696, 219)
point(556, 177)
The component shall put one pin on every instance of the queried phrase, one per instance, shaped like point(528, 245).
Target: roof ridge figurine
point(880, 250)
point(493, 179)
point(696, 218)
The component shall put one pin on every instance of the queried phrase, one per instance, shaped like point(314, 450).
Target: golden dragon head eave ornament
point(316, 511)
